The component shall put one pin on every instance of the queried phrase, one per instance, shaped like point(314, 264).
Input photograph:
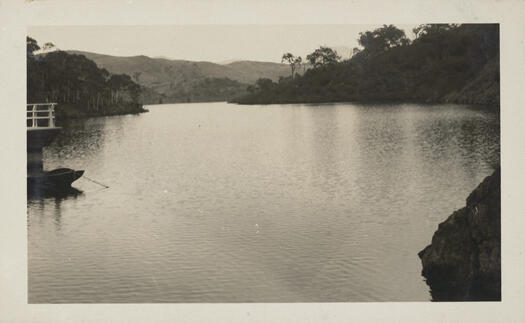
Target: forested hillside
point(188, 81)
point(444, 63)
point(78, 85)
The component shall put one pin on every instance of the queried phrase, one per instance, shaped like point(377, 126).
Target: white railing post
point(34, 123)
point(42, 111)
point(51, 116)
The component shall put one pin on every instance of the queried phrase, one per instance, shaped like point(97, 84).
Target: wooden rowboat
point(57, 180)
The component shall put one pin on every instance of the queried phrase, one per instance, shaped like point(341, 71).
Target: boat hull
point(55, 181)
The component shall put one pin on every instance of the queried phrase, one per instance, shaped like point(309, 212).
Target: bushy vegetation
point(206, 90)
point(78, 85)
point(444, 63)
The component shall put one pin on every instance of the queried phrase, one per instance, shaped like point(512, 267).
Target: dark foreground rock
point(463, 262)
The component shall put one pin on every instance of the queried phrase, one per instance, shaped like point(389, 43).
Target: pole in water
point(94, 181)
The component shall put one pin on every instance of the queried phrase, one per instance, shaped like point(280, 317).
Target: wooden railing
point(41, 115)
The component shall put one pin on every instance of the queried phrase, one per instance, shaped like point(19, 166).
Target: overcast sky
point(215, 43)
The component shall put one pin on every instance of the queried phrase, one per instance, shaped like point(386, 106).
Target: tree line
point(78, 85)
point(444, 62)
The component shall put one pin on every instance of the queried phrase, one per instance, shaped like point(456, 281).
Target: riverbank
point(482, 89)
point(488, 105)
point(487, 95)
point(463, 262)
point(67, 111)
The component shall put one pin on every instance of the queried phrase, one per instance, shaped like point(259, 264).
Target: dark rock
point(463, 262)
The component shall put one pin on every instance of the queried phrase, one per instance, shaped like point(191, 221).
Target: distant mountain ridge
point(182, 80)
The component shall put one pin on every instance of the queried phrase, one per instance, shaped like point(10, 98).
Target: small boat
point(41, 130)
point(57, 180)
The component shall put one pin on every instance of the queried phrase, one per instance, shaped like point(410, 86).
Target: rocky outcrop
point(463, 262)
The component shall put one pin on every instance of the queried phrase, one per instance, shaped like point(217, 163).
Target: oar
point(94, 181)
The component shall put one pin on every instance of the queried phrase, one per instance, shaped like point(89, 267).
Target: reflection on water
point(50, 203)
point(282, 203)
point(57, 194)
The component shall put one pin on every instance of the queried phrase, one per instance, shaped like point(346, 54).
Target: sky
point(214, 43)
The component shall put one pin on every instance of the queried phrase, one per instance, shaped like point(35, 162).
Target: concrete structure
point(41, 130)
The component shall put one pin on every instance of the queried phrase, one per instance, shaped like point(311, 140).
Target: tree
point(264, 83)
point(32, 46)
point(432, 29)
point(392, 36)
point(136, 76)
point(48, 46)
point(250, 89)
point(294, 62)
point(382, 39)
point(323, 56)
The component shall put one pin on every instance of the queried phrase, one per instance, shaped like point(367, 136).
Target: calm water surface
point(283, 203)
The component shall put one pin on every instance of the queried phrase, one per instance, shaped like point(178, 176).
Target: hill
point(445, 63)
point(181, 80)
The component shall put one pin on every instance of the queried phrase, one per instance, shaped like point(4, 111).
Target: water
point(214, 202)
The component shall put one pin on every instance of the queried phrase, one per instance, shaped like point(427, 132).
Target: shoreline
point(426, 102)
point(87, 116)
point(489, 107)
